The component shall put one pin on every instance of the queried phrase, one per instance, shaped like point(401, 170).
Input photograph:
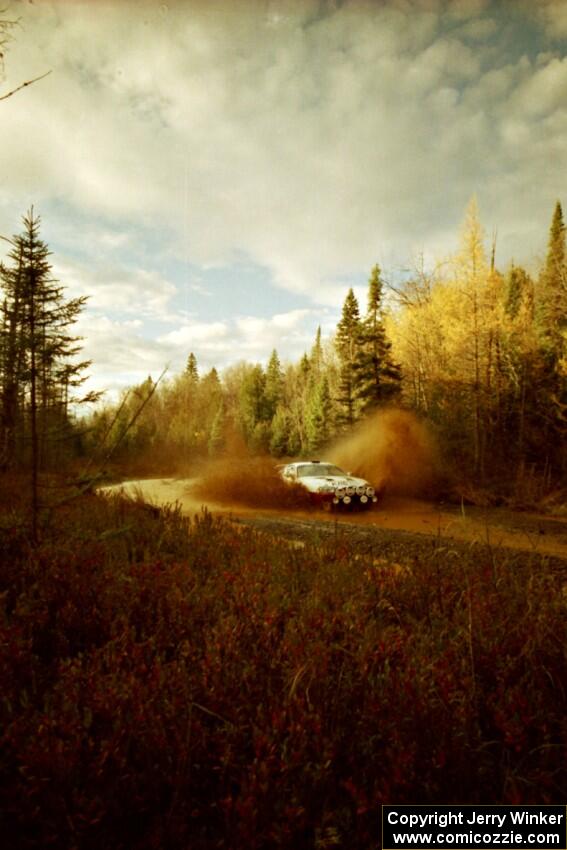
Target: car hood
point(314, 482)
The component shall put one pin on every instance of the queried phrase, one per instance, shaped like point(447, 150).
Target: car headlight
point(370, 491)
point(350, 491)
point(340, 491)
point(360, 490)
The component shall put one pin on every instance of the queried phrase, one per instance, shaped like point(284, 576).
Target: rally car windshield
point(309, 470)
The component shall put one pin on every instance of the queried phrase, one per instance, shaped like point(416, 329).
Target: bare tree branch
point(23, 85)
point(134, 418)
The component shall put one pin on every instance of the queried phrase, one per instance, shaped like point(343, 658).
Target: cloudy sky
point(214, 175)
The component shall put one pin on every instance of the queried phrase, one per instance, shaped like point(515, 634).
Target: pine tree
point(253, 409)
point(273, 385)
point(523, 370)
point(208, 399)
point(39, 369)
point(347, 343)
point(319, 416)
point(553, 289)
point(191, 370)
point(12, 356)
point(553, 326)
point(378, 378)
point(519, 286)
point(296, 392)
point(316, 358)
point(279, 440)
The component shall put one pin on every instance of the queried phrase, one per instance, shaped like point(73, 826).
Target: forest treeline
point(480, 353)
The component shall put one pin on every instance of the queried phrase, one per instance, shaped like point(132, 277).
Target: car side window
point(290, 473)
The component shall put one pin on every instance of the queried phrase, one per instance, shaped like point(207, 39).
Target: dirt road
point(497, 527)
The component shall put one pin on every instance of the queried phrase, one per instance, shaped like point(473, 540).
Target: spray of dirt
point(250, 481)
point(394, 450)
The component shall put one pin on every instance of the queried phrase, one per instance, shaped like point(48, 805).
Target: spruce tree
point(253, 409)
point(274, 385)
point(12, 360)
point(191, 369)
point(552, 313)
point(347, 343)
point(316, 358)
point(279, 439)
point(378, 378)
point(39, 368)
point(298, 381)
point(207, 400)
point(519, 287)
point(319, 413)
point(553, 289)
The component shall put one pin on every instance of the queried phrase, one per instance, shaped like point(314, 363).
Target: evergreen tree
point(12, 355)
point(38, 367)
point(319, 416)
point(316, 358)
point(279, 440)
point(347, 343)
point(553, 289)
point(523, 371)
point(553, 324)
point(296, 393)
point(39, 372)
point(273, 385)
point(191, 370)
point(208, 399)
point(304, 368)
point(253, 409)
point(378, 378)
point(182, 413)
point(519, 287)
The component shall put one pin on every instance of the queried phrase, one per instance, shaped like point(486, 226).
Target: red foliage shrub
point(168, 683)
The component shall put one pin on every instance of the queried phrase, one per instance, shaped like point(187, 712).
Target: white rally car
point(329, 485)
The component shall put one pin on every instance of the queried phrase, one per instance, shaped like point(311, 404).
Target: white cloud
point(262, 335)
point(309, 129)
point(119, 289)
point(311, 143)
point(544, 91)
point(227, 341)
point(122, 355)
point(209, 336)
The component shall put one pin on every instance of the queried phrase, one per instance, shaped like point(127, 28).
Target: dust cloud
point(394, 450)
point(251, 481)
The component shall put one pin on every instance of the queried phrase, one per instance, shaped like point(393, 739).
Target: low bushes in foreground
point(169, 683)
